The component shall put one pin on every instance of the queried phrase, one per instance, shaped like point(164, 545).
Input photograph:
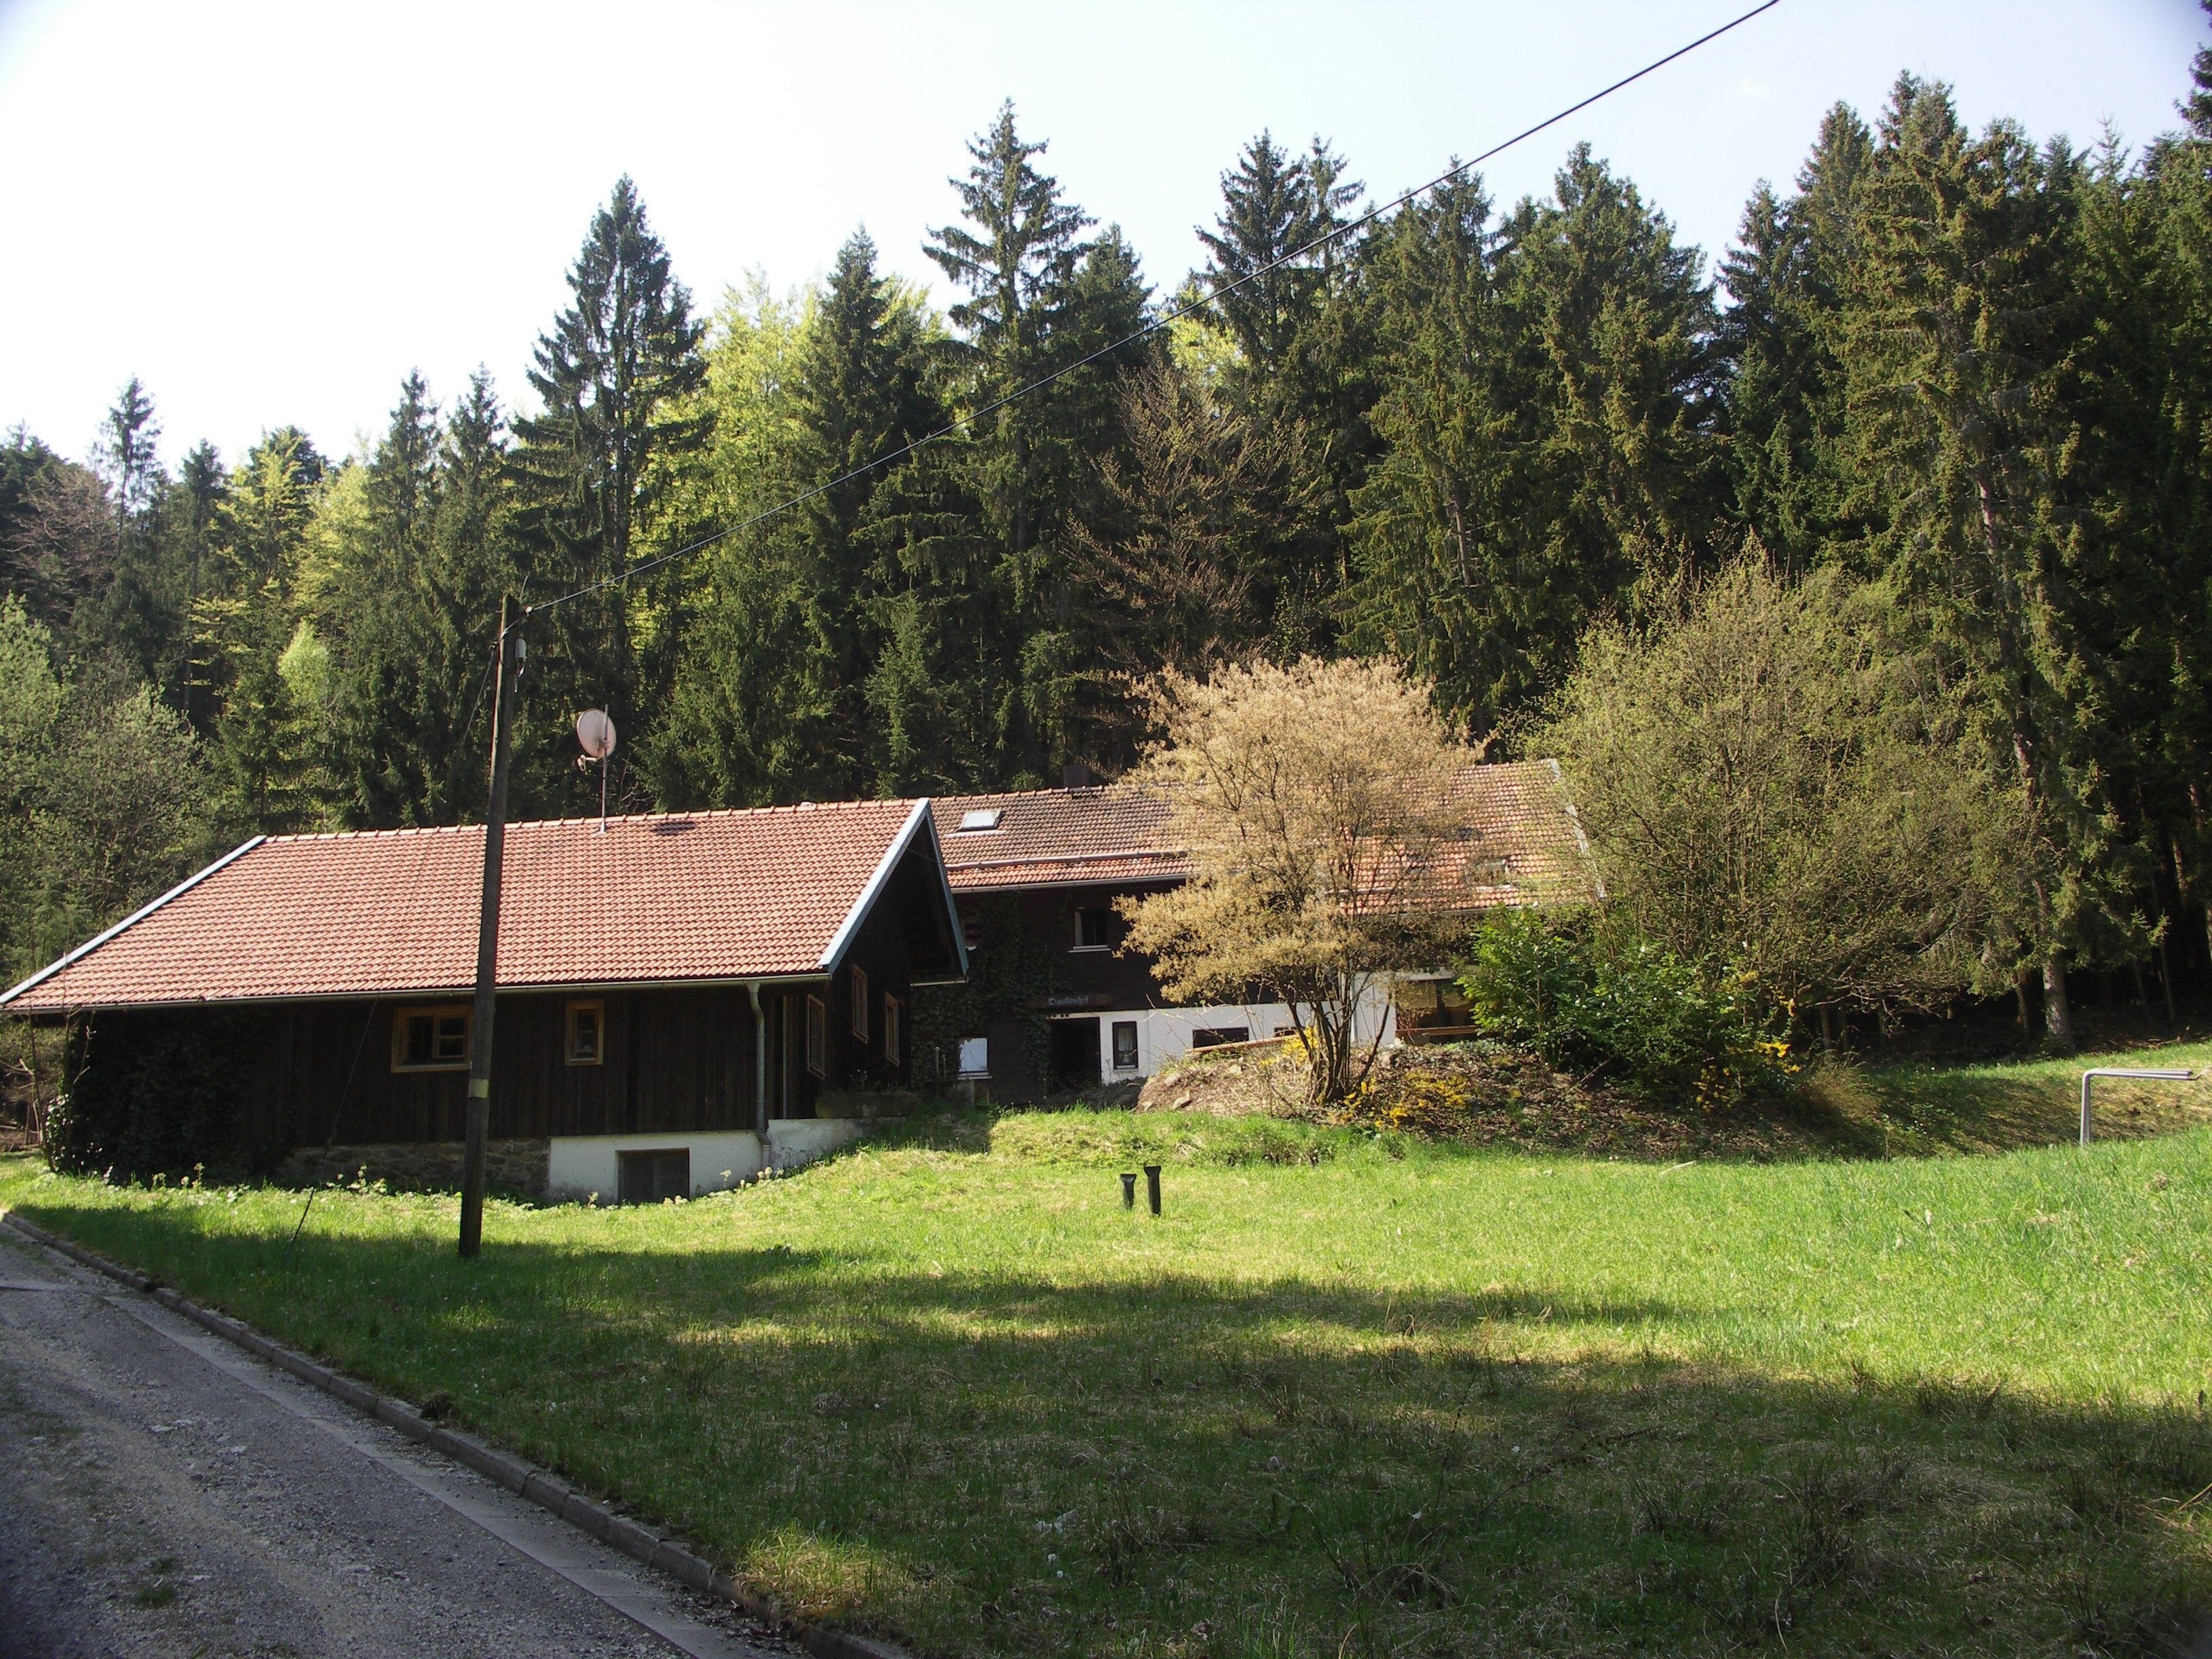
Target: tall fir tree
point(1957, 340)
point(1549, 451)
point(985, 596)
point(615, 377)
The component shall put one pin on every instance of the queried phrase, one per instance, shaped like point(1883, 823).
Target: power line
point(1164, 320)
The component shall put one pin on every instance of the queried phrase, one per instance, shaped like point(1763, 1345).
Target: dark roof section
point(1524, 843)
point(665, 898)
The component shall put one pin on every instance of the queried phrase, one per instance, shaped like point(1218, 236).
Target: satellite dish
point(596, 732)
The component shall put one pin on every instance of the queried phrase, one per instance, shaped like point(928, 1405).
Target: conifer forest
point(1952, 389)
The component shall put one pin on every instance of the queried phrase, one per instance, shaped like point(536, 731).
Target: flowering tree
point(1316, 804)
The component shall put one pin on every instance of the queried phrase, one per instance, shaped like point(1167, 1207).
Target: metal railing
point(2160, 1074)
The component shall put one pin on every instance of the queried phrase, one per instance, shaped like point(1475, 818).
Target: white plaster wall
point(1163, 1033)
point(792, 1141)
point(581, 1166)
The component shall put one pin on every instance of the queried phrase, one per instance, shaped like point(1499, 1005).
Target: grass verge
point(1353, 1394)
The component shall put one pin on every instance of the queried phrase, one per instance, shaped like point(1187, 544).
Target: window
point(980, 817)
point(1098, 927)
point(860, 1004)
point(1219, 1035)
point(974, 1056)
point(430, 1039)
point(588, 1027)
point(891, 1009)
point(1125, 1045)
point(818, 1036)
point(971, 928)
point(648, 1177)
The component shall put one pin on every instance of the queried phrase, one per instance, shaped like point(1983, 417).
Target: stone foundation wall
point(520, 1164)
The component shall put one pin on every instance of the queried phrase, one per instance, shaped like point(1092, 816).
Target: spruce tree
point(1040, 300)
point(615, 376)
point(1546, 424)
point(1269, 211)
point(1957, 338)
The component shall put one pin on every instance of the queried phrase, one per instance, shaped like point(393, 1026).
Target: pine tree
point(245, 620)
point(1042, 299)
point(1785, 387)
point(616, 376)
point(1956, 340)
point(1547, 429)
point(192, 510)
point(1269, 211)
point(1018, 264)
point(771, 701)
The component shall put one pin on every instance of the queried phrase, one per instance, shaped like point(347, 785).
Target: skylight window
point(982, 818)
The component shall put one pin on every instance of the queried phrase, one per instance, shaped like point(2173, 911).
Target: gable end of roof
point(135, 916)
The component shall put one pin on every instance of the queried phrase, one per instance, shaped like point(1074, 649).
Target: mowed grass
point(1350, 1394)
point(1999, 1104)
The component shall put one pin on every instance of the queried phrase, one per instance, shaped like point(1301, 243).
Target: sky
point(271, 213)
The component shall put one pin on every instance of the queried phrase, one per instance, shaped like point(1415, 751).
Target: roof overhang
point(135, 916)
point(439, 993)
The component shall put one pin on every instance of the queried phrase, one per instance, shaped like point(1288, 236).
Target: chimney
point(1075, 775)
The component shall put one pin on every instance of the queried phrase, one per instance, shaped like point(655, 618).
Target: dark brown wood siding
point(675, 1060)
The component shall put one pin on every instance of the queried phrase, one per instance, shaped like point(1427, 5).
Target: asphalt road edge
point(539, 1486)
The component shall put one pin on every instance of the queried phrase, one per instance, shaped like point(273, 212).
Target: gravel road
point(162, 1493)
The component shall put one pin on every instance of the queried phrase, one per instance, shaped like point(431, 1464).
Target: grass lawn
point(1351, 1395)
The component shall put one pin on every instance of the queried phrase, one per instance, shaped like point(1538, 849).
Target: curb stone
point(537, 1486)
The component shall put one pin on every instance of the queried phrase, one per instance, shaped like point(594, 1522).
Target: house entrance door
point(1073, 1055)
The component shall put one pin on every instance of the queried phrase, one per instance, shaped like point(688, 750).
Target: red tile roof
point(1058, 838)
point(667, 897)
point(1523, 842)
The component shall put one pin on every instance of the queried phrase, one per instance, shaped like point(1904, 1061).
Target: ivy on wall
point(1007, 971)
point(158, 1092)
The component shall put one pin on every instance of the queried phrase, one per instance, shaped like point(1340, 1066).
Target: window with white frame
point(1098, 927)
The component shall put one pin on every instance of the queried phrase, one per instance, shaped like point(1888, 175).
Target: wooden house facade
point(683, 998)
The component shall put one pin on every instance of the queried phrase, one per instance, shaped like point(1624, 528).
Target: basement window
point(587, 1033)
point(980, 818)
point(431, 1039)
point(649, 1178)
point(976, 1056)
point(818, 1036)
point(1125, 1045)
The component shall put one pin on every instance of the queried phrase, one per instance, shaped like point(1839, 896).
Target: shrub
point(1586, 995)
point(159, 1092)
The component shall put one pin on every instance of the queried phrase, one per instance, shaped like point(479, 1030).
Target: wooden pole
point(506, 688)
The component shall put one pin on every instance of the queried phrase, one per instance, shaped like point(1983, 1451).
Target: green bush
point(158, 1092)
point(1585, 996)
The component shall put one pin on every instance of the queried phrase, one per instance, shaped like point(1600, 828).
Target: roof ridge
point(904, 804)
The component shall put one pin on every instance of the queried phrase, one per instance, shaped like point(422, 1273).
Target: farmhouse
point(1055, 1003)
point(683, 997)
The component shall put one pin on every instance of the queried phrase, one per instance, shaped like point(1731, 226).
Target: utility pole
point(506, 687)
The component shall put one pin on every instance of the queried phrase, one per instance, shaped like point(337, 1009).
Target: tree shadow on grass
point(997, 1464)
